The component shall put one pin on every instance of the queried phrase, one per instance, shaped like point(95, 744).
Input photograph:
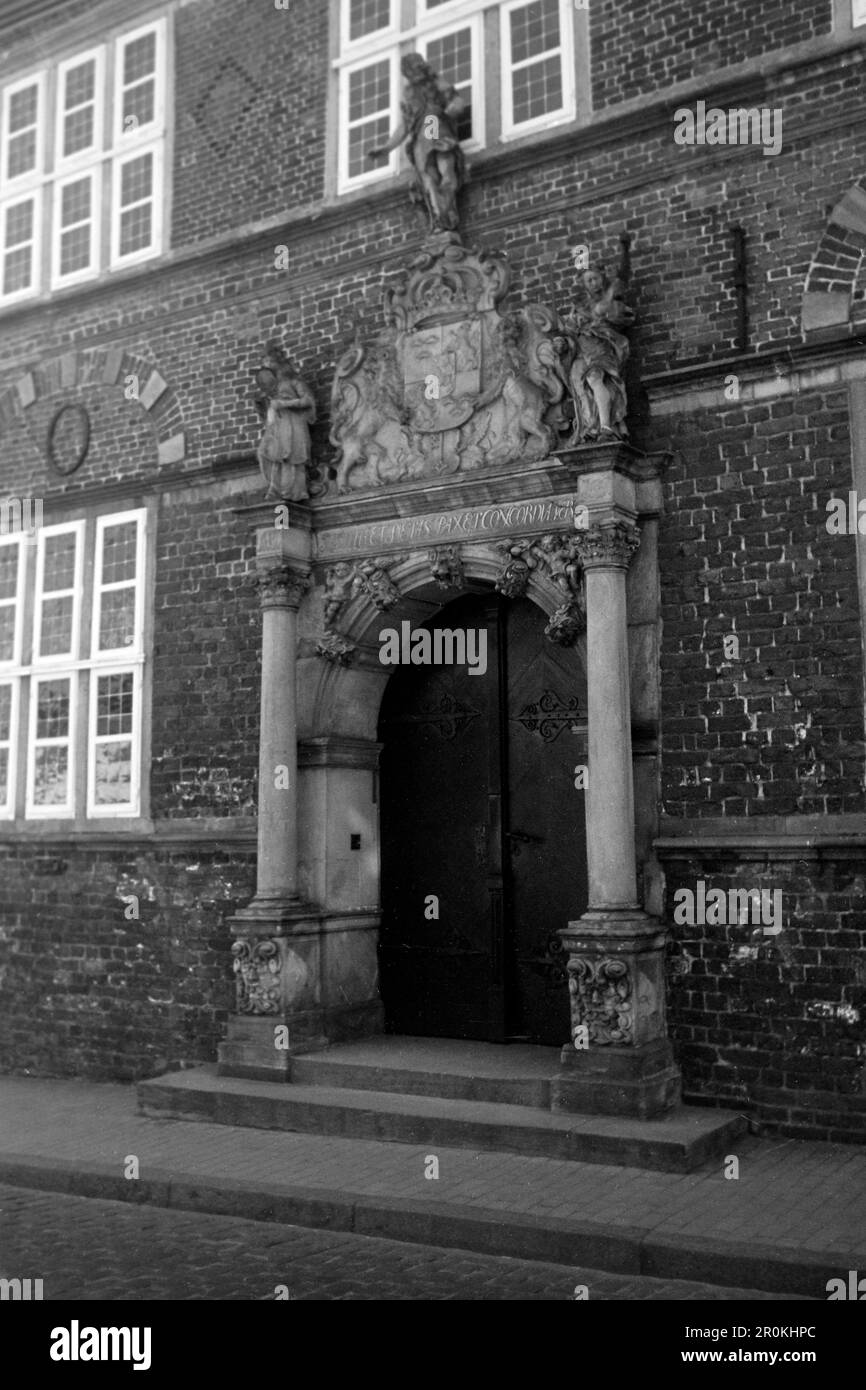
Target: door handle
point(524, 839)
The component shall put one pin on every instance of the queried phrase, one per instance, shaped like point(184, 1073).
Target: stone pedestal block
point(619, 1061)
point(302, 980)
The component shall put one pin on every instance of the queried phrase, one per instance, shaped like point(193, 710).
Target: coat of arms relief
point(452, 384)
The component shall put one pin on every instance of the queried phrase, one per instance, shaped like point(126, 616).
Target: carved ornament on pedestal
point(601, 997)
point(556, 556)
point(256, 966)
point(336, 649)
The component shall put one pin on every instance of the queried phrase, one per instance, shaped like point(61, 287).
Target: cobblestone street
point(84, 1248)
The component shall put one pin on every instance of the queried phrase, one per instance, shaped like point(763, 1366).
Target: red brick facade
point(770, 744)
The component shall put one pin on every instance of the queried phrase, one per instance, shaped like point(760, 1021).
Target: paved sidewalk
point(795, 1217)
point(93, 1250)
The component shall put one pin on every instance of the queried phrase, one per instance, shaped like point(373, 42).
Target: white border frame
point(157, 149)
point(7, 807)
point(97, 810)
point(94, 174)
point(14, 662)
point(64, 164)
point(376, 172)
point(66, 811)
point(26, 195)
point(59, 660)
point(378, 39)
point(122, 141)
point(567, 111)
point(475, 24)
point(32, 176)
point(127, 655)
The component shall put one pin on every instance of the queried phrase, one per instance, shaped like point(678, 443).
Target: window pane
point(140, 104)
point(75, 250)
point(118, 552)
point(17, 271)
point(117, 619)
point(75, 202)
point(361, 139)
point(114, 704)
point(51, 778)
point(4, 776)
point(139, 58)
point(5, 713)
point(451, 58)
point(136, 180)
point(8, 571)
point(78, 131)
point(80, 84)
point(19, 223)
point(534, 29)
point(56, 634)
point(7, 633)
point(369, 91)
point(367, 16)
point(537, 89)
point(22, 108)
point(22, 154)
point(52, 709)
point(136, 229)
point(113, 773)
point(59, 567)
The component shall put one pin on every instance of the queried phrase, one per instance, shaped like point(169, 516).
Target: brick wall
point(744, 551)
point(643, 46)
point(773, 1025)
point(87, 992)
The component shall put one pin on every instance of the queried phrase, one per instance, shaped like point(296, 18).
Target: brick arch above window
point(111, 366)
point(832, 277)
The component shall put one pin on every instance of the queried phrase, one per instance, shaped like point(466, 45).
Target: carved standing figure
point(429, 113)
point(601, 349)
point(286, 405)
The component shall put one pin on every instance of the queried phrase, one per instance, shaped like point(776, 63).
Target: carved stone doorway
point(483, 832)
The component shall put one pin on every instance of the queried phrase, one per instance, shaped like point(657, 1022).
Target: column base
point(304, 979)
point(642, 1082)
point(620, 1061)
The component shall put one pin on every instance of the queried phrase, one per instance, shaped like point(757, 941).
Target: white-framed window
point(71, 688)
point(82, 142)
point(11, 626)
point(531, 87)
point(537, 65)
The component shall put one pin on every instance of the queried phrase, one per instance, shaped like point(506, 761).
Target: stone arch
point(832, 276)
point(102, 366)
point(345, 699)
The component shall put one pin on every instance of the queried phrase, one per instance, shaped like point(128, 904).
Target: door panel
point(546, 833)
point(479, 810)
point(439, 793)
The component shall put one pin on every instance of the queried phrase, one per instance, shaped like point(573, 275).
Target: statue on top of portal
point(430, 111)
point(286, 405)
point(601, 349)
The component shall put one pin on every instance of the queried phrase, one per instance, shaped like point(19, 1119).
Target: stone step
point(679, 1143)
point(512, 1075)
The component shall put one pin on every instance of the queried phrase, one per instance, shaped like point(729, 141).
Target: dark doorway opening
point(483, 832)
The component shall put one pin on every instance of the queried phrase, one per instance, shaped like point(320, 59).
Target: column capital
point(607, 547)
point(281, 586)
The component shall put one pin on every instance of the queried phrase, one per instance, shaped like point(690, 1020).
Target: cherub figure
point(285, 403)
point(601, 350)
point(429, 113)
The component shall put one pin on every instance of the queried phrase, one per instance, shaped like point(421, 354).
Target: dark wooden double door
point(483, 833)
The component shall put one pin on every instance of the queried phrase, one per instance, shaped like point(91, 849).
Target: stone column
point(276, 947)
point(619, 1060)
point(281, 589)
